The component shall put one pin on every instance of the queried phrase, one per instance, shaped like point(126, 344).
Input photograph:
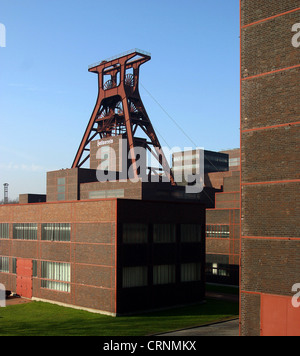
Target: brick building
point(222, 193)
point(113, 247)
point(270, 176)
point(104, 255)
point(223, 224)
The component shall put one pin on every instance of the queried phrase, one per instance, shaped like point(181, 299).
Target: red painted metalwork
point(24, 277)
point(119, 110)
point(278, 316)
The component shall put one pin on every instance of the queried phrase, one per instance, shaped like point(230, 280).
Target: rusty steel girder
point(119, 109)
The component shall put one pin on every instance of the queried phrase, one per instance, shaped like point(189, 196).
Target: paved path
point(222, 296)
point(226, 328)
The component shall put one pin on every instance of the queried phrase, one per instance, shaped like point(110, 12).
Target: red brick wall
point(91, 251)
point(270, 151)
point(132, 190)
point(71, 186)
point(257, 10)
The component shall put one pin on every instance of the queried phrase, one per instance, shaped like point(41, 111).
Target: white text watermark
point(2, 35)
point(117, 162)
point(2, 296)
point(296, 297)
point(296, 37)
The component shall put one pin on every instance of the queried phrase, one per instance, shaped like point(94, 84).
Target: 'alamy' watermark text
point(188, 167)
point(2, 35)
point(296, 37)
point(2, 296)
point(296, 297)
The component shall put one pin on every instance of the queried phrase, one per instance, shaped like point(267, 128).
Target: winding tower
point(119, 110)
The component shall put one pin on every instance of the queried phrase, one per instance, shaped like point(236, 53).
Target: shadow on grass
point(210, 307)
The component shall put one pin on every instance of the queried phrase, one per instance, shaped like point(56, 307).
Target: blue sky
point(47, 94)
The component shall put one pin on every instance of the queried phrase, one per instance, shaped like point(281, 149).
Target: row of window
point(216, 269)
point(217, 231)
point(132, 233)
point(164, 274)
point(162, 233)
point(57, 276)
point(61, 188)
point(104, 194)
point(54, 275)
point(28, 231)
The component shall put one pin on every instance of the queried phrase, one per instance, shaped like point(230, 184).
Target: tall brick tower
point(270, 166)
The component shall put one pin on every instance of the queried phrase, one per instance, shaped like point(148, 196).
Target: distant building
point(189, 161)
point(222, 190)
point(223, 225)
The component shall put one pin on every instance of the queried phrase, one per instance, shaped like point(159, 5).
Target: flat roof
point(120, 55)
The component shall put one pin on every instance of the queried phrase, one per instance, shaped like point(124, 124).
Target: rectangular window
point(4, 264)
point(61, 196)
point(164, 233)
point(219, 270)
point(233, 162)
point(164, 274)
point(56, 276)
point(34, 268)
point(135, 276)
point(97, 194)
point(4, 231)
point(26, 231)
point(190, 233)
point(135, 233)
point(56, 232)
point(115, 193)
point(190, 272)
point(61, 181)
point(214, 269)
point(103, 194)
point(61, 188)
point(14, 265)
point(217, 231)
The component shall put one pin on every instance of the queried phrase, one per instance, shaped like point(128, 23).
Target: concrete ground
point(226, 328)
point(16, 300)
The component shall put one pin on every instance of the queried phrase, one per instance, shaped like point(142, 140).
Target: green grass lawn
point(222, 289)
point(45, 319)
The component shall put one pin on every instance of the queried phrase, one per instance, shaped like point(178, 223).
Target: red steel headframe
point(119, 109)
